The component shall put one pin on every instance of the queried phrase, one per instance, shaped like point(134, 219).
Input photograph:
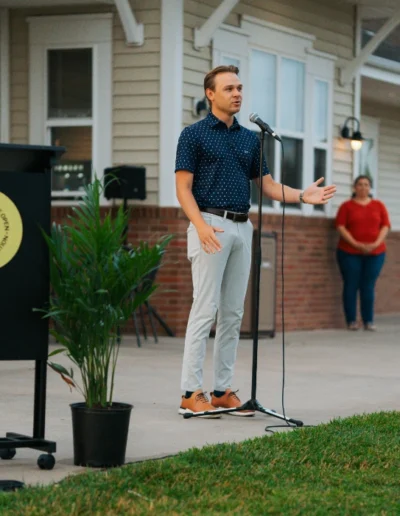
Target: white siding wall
point(333, 27)
point(19, 83)
point(388, 158)
point(136, 96)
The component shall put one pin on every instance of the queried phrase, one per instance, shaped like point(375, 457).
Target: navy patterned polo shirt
point(223, 161)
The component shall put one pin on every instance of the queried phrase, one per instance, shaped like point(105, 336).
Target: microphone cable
point(288, 424)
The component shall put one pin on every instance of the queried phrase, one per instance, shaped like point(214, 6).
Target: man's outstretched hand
point(315, 194)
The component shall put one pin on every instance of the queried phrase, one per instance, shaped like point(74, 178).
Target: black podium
point(25, 207)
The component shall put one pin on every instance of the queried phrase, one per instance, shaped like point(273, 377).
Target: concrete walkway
point(328, 374)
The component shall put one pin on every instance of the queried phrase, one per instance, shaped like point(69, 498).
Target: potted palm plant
point(96, 283)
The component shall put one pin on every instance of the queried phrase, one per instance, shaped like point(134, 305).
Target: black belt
point(231, 215)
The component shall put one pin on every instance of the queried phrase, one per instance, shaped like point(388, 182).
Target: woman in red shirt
point(363, 224)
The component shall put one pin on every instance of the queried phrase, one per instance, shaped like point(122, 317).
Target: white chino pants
point(219, 284)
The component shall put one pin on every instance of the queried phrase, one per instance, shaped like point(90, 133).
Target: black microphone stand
point(253, 404)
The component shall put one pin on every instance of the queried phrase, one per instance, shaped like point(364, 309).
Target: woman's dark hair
point(357, 179)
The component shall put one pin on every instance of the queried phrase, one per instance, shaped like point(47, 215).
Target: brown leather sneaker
point(230, 400)
point(198, 402)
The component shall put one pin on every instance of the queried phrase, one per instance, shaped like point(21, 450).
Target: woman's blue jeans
point(359, 273)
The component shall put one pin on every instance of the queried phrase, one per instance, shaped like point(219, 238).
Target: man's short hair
point(209, 79)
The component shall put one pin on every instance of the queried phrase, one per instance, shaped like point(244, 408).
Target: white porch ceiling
point(380, 92)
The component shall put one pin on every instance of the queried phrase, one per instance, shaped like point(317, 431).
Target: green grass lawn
point(348, 466)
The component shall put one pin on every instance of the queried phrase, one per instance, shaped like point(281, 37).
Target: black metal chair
point(147, 310)
point(151, 313)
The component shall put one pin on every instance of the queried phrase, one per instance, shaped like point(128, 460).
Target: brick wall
point(312, 280)
point(388, 288)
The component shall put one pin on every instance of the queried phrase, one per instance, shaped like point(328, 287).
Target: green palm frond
point(96, 285)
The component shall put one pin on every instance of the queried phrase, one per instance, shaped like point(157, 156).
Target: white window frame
point(319, 145)
point(283, 42)
point(71, 32)
point(321, 67)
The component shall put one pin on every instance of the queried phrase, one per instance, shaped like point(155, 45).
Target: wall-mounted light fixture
point(200, 107)
point(355, 136)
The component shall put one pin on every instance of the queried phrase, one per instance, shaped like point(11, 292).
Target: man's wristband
point(301, 197)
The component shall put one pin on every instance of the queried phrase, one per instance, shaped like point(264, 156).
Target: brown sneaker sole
point(183, 411)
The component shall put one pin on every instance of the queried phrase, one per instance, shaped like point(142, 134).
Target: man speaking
point(216, 160)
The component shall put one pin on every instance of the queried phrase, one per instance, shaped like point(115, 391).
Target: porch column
point(4, 76)
point(171, 96)
point(353, 67)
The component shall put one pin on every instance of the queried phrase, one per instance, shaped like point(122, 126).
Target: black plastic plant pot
point(100, 434)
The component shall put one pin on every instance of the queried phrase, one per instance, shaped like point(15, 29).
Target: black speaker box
point(125, 182)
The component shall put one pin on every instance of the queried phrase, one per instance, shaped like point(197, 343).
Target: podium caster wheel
point(46, 461)
point(8, 454)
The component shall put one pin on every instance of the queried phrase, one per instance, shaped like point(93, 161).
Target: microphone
point(263, 126)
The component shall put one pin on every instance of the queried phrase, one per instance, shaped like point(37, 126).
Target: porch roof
point(48, 3)
point(374, 8)
point(370, 8)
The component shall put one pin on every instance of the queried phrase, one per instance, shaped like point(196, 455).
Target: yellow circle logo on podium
point(10, 230)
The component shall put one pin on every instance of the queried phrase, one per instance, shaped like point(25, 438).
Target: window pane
point(292, 96)
point(321, 111)
point(263, 85)
point(75, 168)
point(292, 165)
point(70, 83)
point(320, 156)
point(269, 153)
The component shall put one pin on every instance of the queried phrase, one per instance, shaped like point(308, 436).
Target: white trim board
point(351, 68)
point(380, 75)
point(272, 37)
point(273, 26)
point(204, 35)
point(384, 64)
point(134, 31)
point(171, 96)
